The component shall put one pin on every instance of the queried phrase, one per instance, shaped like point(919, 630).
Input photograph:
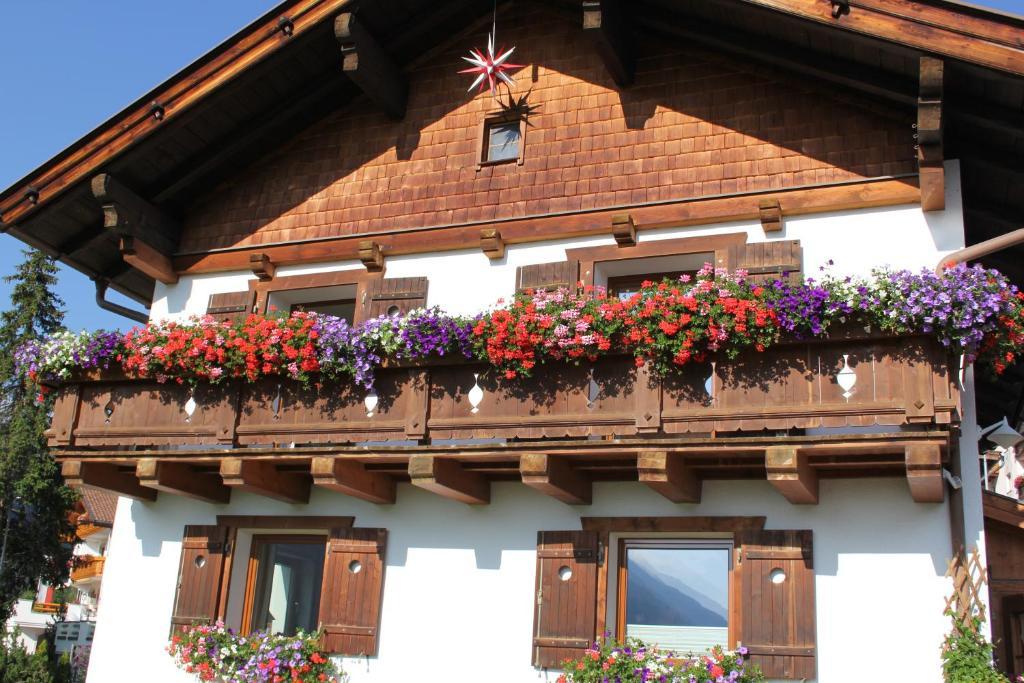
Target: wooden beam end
point(492, 244)
point(371, 255)
point(448, 478)
point(790, 472)
point(555, 477)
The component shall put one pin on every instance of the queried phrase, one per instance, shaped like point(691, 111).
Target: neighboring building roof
point(100, 506)
point(1003, 509)
point(283, 72)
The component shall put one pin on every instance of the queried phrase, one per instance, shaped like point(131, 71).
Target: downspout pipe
point(101, 301)
point(981, 249)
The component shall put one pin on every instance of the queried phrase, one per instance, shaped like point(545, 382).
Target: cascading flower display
point(57, 357)
point(715, 314)
point(637, 662)
point(213, 652)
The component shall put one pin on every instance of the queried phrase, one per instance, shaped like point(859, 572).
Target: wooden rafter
point(181, 479)
point(107, 476)
point(262, 267)
point(492, 244)
point(554, 476)
point(447, 477)
point(930, 155)
point(924, 473)
point(790, 472)
point(370, 67)
point(604, 23)
point(670, 475)
point(352, 479)
point(624, 230)
point(986, 41)
point(147, 236)
point(265, 479)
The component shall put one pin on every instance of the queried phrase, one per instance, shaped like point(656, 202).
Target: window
point(675, 592)
point(284, 582)
point(341, 308)
point(503, 141)
point(625, 286)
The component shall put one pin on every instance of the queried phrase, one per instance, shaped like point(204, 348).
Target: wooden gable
point(695, 123)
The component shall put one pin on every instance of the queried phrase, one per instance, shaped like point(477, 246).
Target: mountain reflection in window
point(678, 597)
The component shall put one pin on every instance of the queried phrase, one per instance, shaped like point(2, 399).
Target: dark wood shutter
point(777, 620)
point(565, 612)
point(352, 590)
point(231, 306)
point(548, 275)
point(200, 576)
point(401, 294)
point(768, 261)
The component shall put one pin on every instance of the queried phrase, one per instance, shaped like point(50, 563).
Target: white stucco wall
point(458, 594)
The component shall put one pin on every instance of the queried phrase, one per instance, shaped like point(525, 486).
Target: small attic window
point(502, 141)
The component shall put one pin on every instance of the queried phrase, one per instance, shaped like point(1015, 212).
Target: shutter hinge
point(600, 553)
point(540, 597)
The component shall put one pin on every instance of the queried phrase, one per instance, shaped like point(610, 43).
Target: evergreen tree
point(34, 503)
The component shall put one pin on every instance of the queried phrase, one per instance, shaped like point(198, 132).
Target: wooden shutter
point(352, 590)
point(548, 275)
point(777, 620)
point(200, 575)
point(768, 261)
point(231, 306)
point(401, 293)
point(565, 612)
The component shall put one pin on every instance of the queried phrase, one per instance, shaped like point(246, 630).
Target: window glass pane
point(344, 308)
point(678, 598)
point(503, 141)
point(288, 587)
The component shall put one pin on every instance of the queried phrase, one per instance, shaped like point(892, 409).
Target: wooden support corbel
point(371, 256)
point(771, 214)
point(181, 479)
point(262, 267)
point(668, 474)
point(353, 479)
point(554, 476)
point(492, 244)
point(263, 478)
point(147, 236)
point(107, 476)
point(448, 478)
point(604, 22)
point(930, 154)
point(370, 67)
point(624, 230)
point(924, 473)
point(790, 472)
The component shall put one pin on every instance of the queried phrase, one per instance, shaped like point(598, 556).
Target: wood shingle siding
point(722, 126)
point(352, 591)
point(200, 575)
point(778, 618)
point(565, 609)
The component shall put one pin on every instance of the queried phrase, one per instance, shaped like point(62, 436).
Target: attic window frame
point(483, 141)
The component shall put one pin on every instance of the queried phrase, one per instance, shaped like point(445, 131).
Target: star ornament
point(490, 69)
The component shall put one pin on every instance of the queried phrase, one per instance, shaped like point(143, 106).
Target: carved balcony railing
point(892, 381)
point(799, 397)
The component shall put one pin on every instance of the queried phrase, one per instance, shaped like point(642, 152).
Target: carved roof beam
point(605, 23)
point(370, 67)
point(147, 235)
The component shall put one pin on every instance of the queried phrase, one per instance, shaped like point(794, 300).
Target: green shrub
point(18, 666)
point(967, 655)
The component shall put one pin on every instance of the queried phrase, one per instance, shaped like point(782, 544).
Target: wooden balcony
point(47, 607)
point(87, 567)
point(598, 420)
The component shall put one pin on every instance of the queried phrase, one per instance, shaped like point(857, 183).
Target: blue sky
point(70, 65)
